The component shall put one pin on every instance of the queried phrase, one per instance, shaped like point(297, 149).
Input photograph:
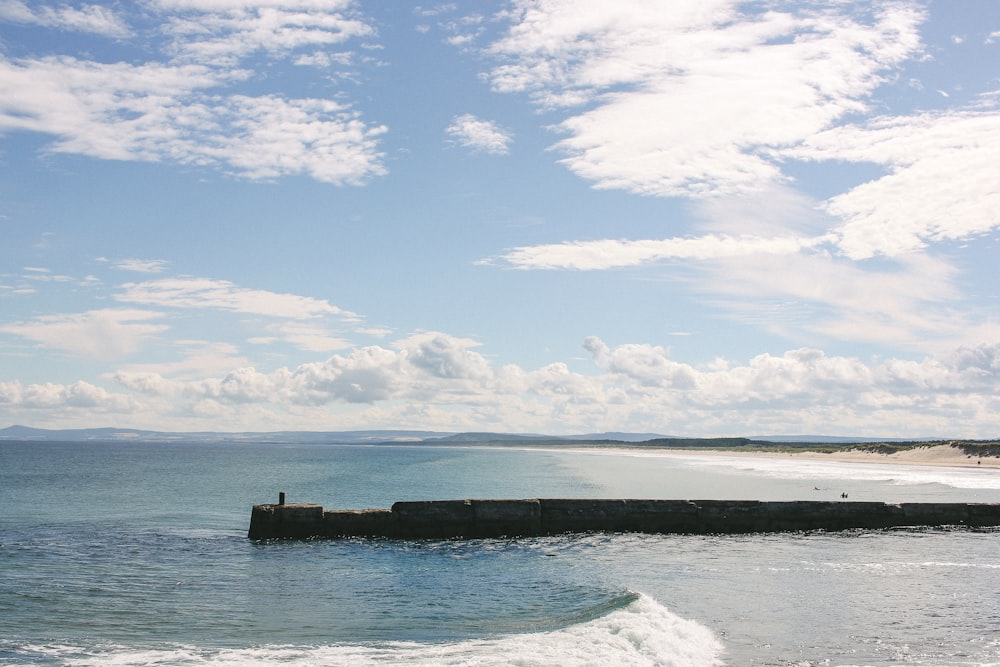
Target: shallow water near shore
point(132, 554)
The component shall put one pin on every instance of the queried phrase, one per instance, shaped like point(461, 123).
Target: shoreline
point(933, 455)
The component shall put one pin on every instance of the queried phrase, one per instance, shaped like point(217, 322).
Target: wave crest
point(631, 629)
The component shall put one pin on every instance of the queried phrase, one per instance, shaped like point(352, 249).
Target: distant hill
point(278, 437)
point(331, 437)
point(830, 439)
point(622, 437)
point(387, 436)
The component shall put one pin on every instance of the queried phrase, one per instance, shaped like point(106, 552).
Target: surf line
point(486, 518)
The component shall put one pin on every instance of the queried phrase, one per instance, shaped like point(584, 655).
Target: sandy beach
point(934, 455)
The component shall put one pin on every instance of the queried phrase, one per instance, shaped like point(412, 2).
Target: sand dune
point(933, 455)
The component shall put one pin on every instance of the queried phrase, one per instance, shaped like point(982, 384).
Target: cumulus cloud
point(432, 379)
point(479, 135)
point(78, 395)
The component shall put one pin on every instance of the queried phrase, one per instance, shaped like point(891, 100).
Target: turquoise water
point(135, 554)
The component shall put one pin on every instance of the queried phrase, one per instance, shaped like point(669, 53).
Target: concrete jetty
point(445, 519)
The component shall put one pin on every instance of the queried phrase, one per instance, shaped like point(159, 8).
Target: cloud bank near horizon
point(433, 379)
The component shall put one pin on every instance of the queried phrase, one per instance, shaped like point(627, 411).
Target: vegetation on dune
point(971, 448)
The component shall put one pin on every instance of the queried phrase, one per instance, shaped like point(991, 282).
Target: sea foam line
point(791, 468)
point(642, 633)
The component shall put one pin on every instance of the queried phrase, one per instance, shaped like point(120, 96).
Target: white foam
point(795, 468)
point(642, 633)
point(963, 478)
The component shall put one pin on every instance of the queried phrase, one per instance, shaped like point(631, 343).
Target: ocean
point(119, 553)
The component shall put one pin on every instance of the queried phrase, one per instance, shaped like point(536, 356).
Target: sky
point(692, 218)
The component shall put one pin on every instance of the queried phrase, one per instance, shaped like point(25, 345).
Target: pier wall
point(442, 519)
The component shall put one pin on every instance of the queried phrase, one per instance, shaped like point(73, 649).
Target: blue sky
point(700, 217)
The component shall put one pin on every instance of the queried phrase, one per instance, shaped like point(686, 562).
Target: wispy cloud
point(479, 135)
point(941, 183)
point(612, 253)
point(703, 101)
point(195, 360)
point(156, 112)
point(87, 18)
point(309, 337)
point(182, 108)
point(693, 98)
point(200, 293)
point(226, 32)
point(141, 265)
point(108, 333)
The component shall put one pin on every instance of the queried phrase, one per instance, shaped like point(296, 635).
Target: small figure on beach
point(844, 494)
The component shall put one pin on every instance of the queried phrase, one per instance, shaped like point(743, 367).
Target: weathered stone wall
point(441, 519)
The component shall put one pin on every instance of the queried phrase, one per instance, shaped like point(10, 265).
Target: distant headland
point(928, 451)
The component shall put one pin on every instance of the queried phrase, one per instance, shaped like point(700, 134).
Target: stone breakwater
point(443, 519)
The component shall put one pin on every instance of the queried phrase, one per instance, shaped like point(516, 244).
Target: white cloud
point(87, 18)
point(432, 380)
point(912, 303)
point(308, 337)
point(224, 295)
point(42, 275)
point(377, 332)
point(708, 99)
point(272, 137)
point(159, 112)
point(646, 364)
point(941, 185)
point(479, 135)
point(797, 288)
point(323, 59)
point(183, 110)
point(141, 265)
point(117, 111)
point(97, 334)
point(612, 253)
point(51, 396)
point(423, 366)
point(693, 98)
point(225, 32)
point(445, 357)
point(198, 359)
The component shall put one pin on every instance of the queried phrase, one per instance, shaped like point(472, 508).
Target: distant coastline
point(941, 452)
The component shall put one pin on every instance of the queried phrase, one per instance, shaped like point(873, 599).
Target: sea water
point(136, 554)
